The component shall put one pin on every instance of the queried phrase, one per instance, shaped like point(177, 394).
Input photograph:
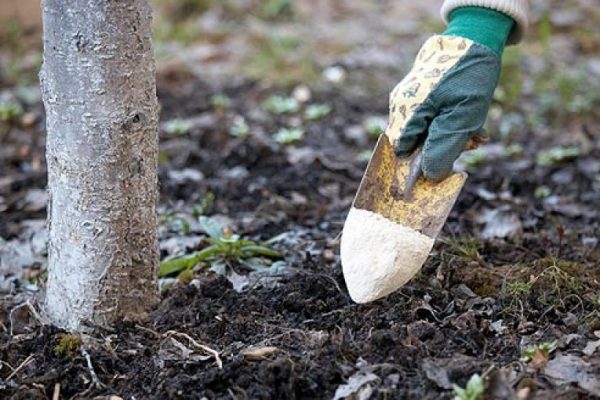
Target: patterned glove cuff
point(516, 9)
point(487, 27)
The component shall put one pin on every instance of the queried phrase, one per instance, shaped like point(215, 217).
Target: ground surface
point(515, 273)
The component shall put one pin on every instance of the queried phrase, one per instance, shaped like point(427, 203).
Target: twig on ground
point(25, 363)
point(7, 364)
point(143, 328)
point(31, 308)
point(56, 394)
point(91, 370)
point(205, 348)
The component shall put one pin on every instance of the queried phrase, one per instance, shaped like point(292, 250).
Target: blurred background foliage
point(550, 83)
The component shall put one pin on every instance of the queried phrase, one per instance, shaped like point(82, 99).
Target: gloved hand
point(444, 99)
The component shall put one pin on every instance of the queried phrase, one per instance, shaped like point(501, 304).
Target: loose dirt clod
point(378, 255)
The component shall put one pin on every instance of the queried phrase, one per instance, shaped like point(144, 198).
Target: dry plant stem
point(200, 346)
point(31, 308)
point(93, 375)
point(56, 394)
point(25, 363)
point(99, 94)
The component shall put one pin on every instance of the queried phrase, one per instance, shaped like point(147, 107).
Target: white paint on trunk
point(379, 256)
point(99, 93)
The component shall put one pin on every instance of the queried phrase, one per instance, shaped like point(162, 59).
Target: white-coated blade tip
point(379, 256)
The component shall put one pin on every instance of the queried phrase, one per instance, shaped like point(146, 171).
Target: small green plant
point(543, 349)
point(542, 191)
point(177, 127)
point(557, 155)
point(289, 135)
point(281, 105)
point(518, 289)
point(220, 100)
point(225, 247)
point(375, 126)
point(316, 111)
point(565, 276)
point(513, 150)
point(473, 391)
point(204, 205)
point(10, 111)
point(68, 345)
point(474, 158)
point(239, 128)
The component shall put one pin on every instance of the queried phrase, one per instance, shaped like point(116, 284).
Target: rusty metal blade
point(381, 191)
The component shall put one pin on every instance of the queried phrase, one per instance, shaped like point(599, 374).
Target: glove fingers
point(415, 131)
point(449, 134)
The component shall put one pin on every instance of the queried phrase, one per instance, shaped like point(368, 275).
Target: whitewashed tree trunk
point(99, 93)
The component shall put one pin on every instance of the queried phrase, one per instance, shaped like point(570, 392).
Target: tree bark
point(99, 93)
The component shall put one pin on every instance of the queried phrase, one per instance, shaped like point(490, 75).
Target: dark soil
point(302, 337)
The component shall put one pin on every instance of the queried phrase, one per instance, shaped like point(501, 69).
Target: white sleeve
point(517, 9)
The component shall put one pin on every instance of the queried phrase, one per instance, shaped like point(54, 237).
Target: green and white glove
point(444, 99)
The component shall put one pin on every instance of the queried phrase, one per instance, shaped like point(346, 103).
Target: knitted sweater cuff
point(516, 9)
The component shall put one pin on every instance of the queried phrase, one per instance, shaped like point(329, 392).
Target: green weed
point(518, 289)
point(544, 349)
point(513, 150)
point(289, 135)
point(239, 128)
point(68, 345)
point(10, 111)
point(177, 127)
point(542, 191)
point(281, 105)
point(220, 100)
point(316, 111)
point(557, 155)
point(205, 204)
point(473, 391)
point(225, 247)
point(474, 158)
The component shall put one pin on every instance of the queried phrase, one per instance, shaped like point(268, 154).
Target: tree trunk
point(99, 93)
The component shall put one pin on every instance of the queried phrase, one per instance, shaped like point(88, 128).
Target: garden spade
point(394, 221)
